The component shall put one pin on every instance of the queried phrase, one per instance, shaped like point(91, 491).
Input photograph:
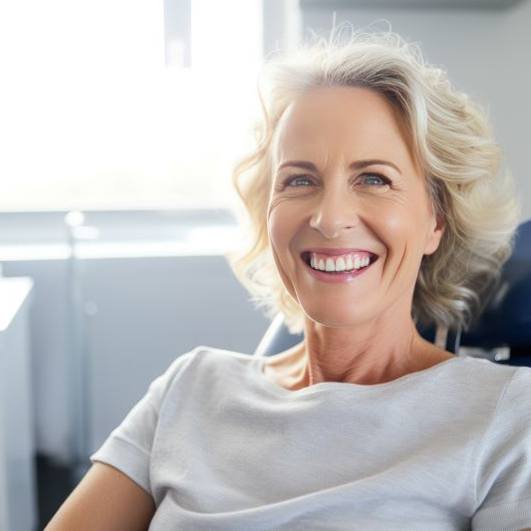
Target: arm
point(115, 494)
point(106, 500)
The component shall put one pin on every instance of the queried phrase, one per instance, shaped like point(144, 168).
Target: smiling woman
point(374, 201)
point(365, 203)
point(334, 106)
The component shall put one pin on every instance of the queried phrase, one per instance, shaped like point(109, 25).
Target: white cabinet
point(18, 485)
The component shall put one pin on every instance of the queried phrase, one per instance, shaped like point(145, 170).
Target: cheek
point(279, 236)
point(401, 232)
point(278, 226)
point(282, 230)
point(394, 226)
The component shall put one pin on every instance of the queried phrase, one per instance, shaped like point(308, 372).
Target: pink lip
point(335, 252)
point(336, 277)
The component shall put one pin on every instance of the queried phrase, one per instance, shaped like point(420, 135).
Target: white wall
point(487, 53)
point(149, 311)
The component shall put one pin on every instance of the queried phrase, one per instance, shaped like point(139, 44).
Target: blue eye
point(293, 178)
point(377, 175)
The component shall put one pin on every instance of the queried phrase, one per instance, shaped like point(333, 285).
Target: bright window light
point(92, 118)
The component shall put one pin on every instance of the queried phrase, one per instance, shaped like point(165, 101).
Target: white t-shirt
point(220, 447)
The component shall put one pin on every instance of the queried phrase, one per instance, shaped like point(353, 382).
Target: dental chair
point(502, 333)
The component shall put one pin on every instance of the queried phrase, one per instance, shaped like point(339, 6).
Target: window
point(104, 111)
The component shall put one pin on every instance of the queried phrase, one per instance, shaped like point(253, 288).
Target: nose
point(336, 210)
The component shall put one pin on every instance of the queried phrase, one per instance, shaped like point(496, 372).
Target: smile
point(343, 274)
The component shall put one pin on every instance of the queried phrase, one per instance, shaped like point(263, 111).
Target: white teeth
point(350, 264)
point(340, 264)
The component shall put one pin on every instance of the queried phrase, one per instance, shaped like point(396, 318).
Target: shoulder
point(207, 362)
point(217, 355)
point(509, 387)
point(201, 355)
point(517, 391)
point(503, 468)
point(490, 373)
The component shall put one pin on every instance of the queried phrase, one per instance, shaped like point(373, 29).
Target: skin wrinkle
point(361, 332)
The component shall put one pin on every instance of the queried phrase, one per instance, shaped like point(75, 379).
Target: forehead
point(351, 120)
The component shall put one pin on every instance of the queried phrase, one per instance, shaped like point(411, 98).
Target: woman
point(374, 203)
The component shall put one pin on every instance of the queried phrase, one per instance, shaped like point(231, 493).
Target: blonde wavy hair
point(452, 139)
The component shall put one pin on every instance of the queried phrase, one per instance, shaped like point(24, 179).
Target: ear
point(437, 228)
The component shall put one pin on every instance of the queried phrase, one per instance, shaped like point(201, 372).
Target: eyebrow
point(353, 166)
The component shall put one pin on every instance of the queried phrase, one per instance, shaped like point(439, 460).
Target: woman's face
point(339, 200)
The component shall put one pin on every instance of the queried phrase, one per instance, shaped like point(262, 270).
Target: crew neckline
point(259, 363)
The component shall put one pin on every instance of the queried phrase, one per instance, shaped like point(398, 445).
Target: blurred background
point(120, 124)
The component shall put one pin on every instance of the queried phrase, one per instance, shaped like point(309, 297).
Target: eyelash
point(291, 178)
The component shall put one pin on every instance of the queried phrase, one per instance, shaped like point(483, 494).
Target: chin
point(335, 319)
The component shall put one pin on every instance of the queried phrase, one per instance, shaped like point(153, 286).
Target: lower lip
point(336, 277)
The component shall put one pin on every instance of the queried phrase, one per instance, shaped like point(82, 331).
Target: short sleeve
point(503, 480)
point(128, 447)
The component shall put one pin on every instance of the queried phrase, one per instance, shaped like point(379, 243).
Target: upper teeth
point(339, 263)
